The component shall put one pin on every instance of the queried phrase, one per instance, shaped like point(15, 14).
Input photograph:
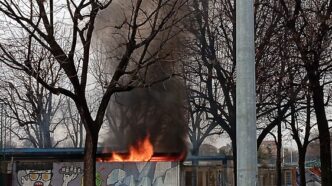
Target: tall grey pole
point(245, 95)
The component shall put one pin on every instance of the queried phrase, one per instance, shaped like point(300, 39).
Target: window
point(288, 178)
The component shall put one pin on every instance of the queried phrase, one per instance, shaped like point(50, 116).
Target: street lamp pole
point(245, 95)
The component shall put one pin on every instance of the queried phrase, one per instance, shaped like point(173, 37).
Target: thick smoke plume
point(156, 110)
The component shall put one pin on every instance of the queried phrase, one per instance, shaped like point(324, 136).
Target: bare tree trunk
point(46, 122)
point(323, 127)
point(81, 134)
point(90, 159)
point(302, 152)
point(45, 133)
point(194, 152)
point(279, 158)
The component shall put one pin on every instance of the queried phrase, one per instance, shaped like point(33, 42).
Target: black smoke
point(158, 110)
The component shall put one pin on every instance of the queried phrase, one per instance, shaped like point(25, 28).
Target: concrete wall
point(108, 174)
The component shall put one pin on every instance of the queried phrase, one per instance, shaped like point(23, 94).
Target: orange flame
point(142, 151)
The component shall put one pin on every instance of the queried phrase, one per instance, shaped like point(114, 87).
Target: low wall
point(107, 174)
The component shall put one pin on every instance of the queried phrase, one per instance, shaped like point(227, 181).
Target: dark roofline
point(76, 153)
point(41, 153)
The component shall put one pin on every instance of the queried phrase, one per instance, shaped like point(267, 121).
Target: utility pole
point(245, 95)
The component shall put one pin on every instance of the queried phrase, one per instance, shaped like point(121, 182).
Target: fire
point(142, 151)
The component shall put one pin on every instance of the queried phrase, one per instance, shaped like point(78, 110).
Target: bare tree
point(213, 53)
point(71, 50)
point(70, 119)
point(30, 107)
point(212, 65)
point(309, 24)
point(301, 132)
point(201, 126)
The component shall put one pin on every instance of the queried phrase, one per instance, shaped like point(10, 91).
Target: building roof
point(75, 153)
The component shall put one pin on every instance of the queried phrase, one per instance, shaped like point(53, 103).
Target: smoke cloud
point(158, 110)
